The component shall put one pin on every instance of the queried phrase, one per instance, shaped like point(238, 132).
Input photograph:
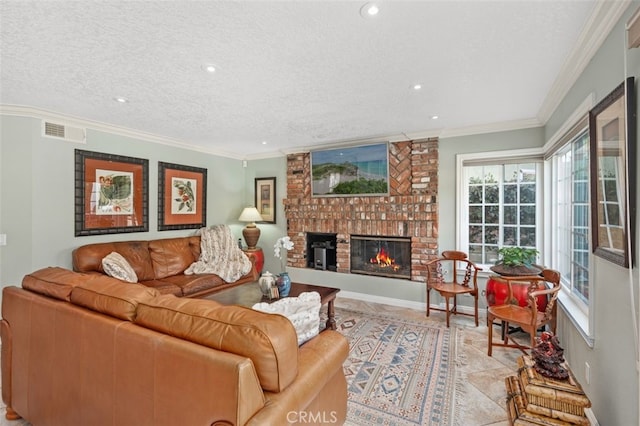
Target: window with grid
point(570, 237)
point(501, 205)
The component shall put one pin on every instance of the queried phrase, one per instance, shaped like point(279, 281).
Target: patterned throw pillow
point(117, 266)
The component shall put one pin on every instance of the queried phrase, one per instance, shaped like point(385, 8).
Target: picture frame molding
point(168, 221)
point(264, 200)
point(625, 91)
point(87, 223)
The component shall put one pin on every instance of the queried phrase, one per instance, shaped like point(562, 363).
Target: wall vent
point(61, 131)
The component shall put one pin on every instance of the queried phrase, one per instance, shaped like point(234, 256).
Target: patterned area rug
point(400, 371)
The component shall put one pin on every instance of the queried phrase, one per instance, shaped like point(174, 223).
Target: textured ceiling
point(296, 74)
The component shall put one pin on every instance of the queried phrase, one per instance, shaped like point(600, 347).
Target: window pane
point(510, 194)
point(581, 192)
point(511, 173)
point(528, 237)
point(528, 172)
point(492, 194)
point(475, 254)
point(475, 194)
point(475, 234)
point(528, 215)
point(475, 214)
point(491, 234)
point(510, 236)
point(528, 193)
point(491, 173)
point(491, 254)
point(511, 215)
point(492, 214)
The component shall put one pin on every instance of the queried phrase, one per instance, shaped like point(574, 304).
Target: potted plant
point(516, 261)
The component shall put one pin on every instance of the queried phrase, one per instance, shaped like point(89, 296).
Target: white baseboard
point(419, 306)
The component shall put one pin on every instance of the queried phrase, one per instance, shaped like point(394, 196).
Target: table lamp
point(251, 232)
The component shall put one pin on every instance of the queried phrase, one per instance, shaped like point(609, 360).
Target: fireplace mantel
point(410, 209)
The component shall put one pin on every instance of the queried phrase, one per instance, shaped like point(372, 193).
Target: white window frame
point(462, 213)
point(582, 319)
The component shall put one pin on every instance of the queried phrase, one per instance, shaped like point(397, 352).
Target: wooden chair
point(528, 318)
point(449, 263)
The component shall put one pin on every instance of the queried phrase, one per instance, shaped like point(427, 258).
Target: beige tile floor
point(484, 392)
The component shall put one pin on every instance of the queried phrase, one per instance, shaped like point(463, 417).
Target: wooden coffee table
point(249, 294)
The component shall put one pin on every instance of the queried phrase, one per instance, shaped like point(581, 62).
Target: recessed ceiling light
point(264, 142)
point(434, 117)
point(417, 86)
point(369, 9)
point(209, 68)
point(121, 100)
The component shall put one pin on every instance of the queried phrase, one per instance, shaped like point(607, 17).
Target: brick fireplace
point(410, 210)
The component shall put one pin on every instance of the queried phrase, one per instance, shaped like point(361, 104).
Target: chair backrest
point(546, 284)
point(457, 260)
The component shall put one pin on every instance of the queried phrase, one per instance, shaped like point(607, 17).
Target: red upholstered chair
point(528, 318)
point(449, 264)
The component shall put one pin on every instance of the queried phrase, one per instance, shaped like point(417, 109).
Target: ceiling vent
point(64, 132)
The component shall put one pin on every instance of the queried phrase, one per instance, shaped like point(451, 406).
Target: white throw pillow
point(117, 266)
point(303, 312)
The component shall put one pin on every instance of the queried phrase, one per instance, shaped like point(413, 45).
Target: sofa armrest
point(320, 383)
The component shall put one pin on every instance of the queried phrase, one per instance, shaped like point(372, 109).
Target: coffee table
point(249, 294)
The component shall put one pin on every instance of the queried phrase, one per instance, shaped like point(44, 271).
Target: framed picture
point(612, 125)
point(111, 194)
point(352, 171)
point(182, 197)
point(266, 198)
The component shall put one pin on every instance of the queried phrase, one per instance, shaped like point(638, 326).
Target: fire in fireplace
point(382, 256)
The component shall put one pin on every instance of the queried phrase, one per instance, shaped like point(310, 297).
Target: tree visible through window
point(502, 208)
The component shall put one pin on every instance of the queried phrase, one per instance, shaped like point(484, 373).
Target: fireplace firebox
point(382, 256)
point(321, 251)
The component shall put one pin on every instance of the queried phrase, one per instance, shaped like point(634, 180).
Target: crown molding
point(604, 17)
point(503, 126)
point(25, 111)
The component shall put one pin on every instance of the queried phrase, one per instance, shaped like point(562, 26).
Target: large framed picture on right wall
point(612, 133)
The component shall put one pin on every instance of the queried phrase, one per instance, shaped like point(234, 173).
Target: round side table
point(259, 255)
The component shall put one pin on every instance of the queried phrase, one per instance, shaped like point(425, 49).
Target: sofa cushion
point(109, 296)
point(117, 266)
point(88, 258)
point(54, 282)
point(164, 287)
point(191, 284)
point(268, 340)
point(170, 256)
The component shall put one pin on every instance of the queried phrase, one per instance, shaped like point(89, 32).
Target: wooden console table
point(249, 294)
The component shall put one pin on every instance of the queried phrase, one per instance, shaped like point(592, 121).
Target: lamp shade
point(250, 214)
point(251, 232)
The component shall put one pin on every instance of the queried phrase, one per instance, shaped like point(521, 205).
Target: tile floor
point(484, 391)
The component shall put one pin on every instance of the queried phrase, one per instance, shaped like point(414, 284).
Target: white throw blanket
point(220, 255)
point(303, 312)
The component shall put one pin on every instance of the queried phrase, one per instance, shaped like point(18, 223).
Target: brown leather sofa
point(84, 349)
point(160, 264)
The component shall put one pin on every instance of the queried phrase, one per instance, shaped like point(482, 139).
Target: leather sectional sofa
point(160, 264)
point(87, 349)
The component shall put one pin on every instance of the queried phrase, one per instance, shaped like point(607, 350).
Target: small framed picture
point(266, 198)
point(182, 197)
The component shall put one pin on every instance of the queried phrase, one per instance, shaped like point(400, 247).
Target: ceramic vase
point(266, 281)
point(284, 284)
